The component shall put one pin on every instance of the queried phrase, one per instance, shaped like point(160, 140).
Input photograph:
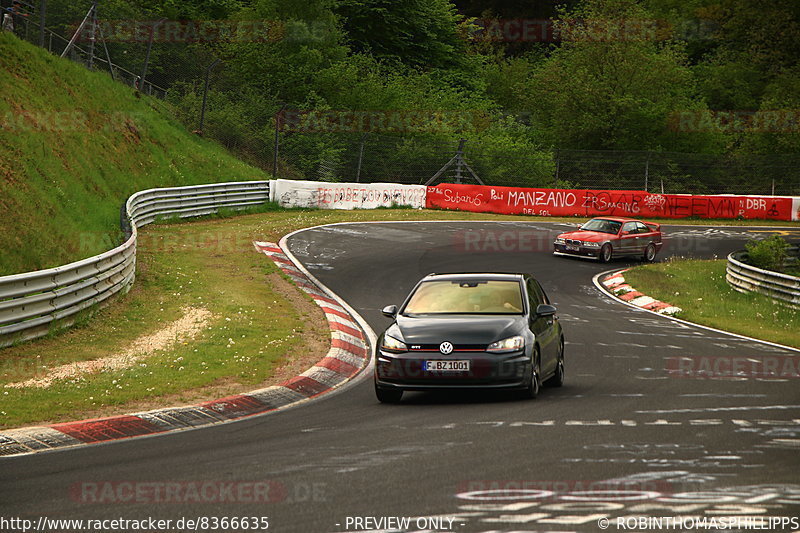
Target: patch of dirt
point(7, 174)
point(314, 346)
point(193, 321)
point(131, 132)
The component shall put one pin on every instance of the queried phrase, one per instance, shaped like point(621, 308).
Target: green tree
point(420, 33)
point(608, 87)
point(304, 38)
point(740, 48)
point(775, 128)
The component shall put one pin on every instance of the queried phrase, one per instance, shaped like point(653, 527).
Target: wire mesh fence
point(676, 173)
point(370, 157)
point(362, 157)
point(149, 54)
point(160, 57)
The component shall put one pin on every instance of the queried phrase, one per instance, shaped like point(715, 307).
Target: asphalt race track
point(622, 438)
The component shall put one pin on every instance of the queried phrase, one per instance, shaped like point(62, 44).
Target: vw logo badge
point(446, 348)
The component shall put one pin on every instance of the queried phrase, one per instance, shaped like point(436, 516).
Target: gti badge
point(446, 348)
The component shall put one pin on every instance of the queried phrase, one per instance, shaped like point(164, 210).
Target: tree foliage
point(418, 33)
point(608, 88)
point(602, 83)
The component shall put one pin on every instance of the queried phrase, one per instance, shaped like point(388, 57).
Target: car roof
point(489, 276)
point(618, 219)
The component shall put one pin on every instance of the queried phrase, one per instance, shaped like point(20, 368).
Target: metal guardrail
point(34, 303)
point(747, 278)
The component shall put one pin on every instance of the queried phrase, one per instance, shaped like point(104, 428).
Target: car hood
point(591, 236)
point(457, 329)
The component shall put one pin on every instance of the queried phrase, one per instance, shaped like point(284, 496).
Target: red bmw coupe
point(607, 237)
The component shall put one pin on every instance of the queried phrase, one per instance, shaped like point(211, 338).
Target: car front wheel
point(536, 384)
point(605, 253)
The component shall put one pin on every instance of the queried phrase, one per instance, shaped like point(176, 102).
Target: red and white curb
point(349, 354)
point(616, 285)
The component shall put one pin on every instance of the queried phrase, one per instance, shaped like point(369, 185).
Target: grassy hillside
point(73, 145)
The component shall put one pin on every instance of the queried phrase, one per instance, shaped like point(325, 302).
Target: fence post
point(459, 159)
point(42, 10)
point(360, 157)
point(147, 55)
point(108, 56)
point(72, 41)
point(205, 96)
point(93, 35)
point(460, 163)
point(278, 117)
point(558, 168)
point(647, 171)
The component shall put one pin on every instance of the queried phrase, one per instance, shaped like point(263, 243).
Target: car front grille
point(456, 348)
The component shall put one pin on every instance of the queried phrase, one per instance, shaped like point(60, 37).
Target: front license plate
point(446, 366)
point(573, 248)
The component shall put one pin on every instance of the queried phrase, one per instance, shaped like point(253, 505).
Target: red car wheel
point(605, 253)
point(650, 253)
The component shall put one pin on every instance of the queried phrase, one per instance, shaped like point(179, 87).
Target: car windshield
point(602, 225)
point(483, 297)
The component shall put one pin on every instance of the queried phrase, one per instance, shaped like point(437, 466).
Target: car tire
point(388, 395)
point(558, 378)
point(649, 253)
point(532, 391)
point(606, 253)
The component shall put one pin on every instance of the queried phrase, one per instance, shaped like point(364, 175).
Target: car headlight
point(588, 244)
point(558, 240)
point(511, 344)
point(393, 345)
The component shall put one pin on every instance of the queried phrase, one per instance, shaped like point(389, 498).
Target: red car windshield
point(602, 225)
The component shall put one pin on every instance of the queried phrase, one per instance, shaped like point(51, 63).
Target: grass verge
point(700, 289)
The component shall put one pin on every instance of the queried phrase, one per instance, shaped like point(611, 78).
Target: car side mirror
point(545, 310)
point(390, 311)
point(624, 232)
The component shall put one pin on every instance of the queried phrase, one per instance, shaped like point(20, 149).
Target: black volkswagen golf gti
point(470, 331)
